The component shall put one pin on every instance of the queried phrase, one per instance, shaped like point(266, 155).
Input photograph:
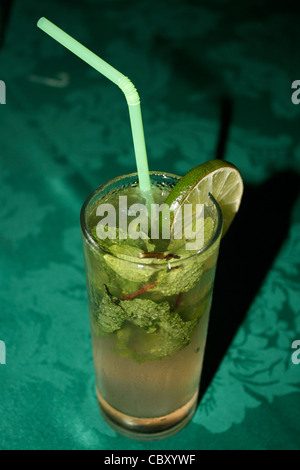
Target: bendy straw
point(123, 83)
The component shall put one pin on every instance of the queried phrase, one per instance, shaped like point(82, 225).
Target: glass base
point(146, 429)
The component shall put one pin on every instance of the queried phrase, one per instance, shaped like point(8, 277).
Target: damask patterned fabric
point(215, 80)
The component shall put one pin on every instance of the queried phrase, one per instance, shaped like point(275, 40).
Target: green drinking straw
point(126, 86)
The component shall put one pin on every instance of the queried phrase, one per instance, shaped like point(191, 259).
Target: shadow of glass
point(246, 255)
point(5, 10)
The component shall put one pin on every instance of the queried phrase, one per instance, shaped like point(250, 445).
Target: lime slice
point(218, 177)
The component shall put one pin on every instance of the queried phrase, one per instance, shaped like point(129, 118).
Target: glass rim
point(96, 247)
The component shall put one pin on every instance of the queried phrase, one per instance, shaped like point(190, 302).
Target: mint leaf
point(154, 331)
point(179, 278)
point(145, 313)
point(184, 275)
point(118, 237)
point(124, 261)
point(145, 330)
point(178, 246)
point(109, 316)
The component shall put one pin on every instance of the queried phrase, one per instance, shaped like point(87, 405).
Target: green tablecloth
point(215, 79)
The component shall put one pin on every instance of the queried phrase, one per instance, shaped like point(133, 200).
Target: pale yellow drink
point(149, 317)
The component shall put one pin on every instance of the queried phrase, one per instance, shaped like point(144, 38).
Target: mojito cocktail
point(149, 303)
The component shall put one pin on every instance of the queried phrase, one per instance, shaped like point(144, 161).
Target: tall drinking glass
point(149, 312)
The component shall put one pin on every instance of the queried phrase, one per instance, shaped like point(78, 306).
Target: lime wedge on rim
point(218, 177)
